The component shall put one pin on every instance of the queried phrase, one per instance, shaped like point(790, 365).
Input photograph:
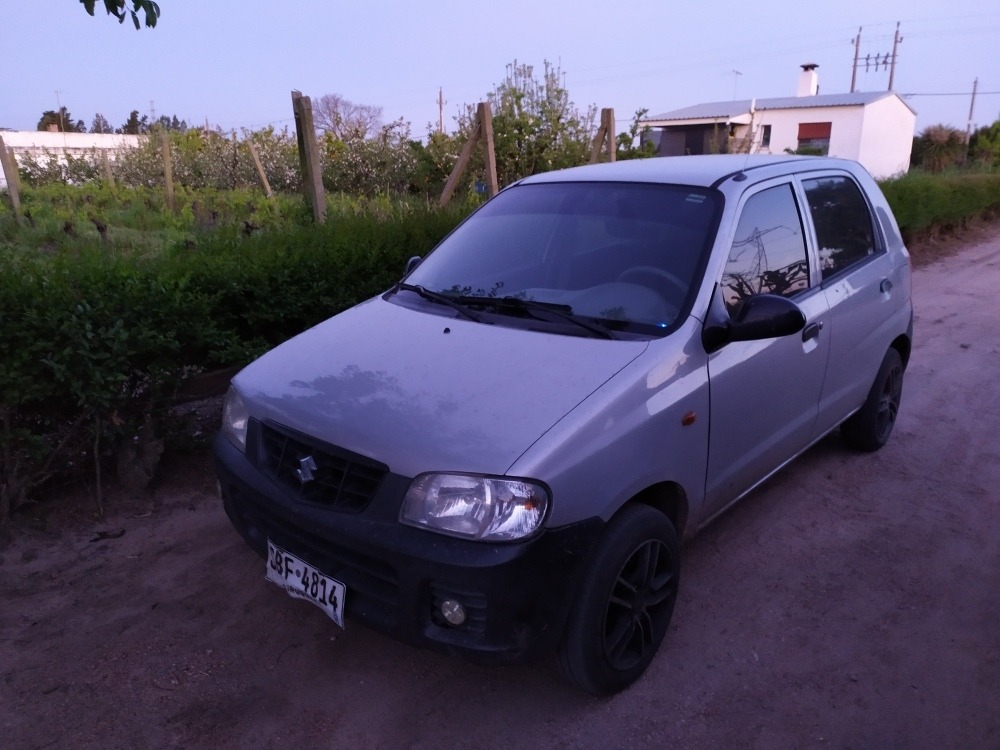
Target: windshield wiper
point(439, 298)
point(541, 311)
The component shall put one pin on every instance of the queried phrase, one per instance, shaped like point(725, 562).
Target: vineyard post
point(9, 166)
point(260, 171)
point(312, 176)
point(482, 128)
point(485, 115)
point(605, 138)
point(106, 167)
point(168, 169)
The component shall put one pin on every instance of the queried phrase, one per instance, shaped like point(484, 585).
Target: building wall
point(887, 138)
point(879, 136)
point(845, 130)
point(38, 143)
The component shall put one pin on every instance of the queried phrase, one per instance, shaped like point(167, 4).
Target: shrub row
point(921, 200)
point(94, 345)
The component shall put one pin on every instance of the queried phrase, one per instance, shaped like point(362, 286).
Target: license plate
point(303, 581)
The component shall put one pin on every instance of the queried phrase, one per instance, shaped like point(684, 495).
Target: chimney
point(808, 80)
point(53, 128)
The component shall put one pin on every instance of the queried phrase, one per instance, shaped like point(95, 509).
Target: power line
point(956, 93)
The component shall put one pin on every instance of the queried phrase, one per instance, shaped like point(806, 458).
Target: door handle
point(885, 286)
point(812, 330)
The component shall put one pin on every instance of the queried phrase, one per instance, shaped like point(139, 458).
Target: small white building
point(874, 128)
point(57, 145)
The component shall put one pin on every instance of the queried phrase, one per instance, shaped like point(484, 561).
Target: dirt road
point(853, 602)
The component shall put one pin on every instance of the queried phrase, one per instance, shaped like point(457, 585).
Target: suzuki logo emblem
point(306, 468)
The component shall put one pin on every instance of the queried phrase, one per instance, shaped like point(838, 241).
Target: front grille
point(318, 473)
point(372, 584)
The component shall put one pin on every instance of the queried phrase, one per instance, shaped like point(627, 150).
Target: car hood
point(421, 392)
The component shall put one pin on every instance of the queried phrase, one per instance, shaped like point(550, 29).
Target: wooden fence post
point(106, 167)
point(9, 166)
point(485, 117)
point(605, 138)
point(260, 170)
point(312, 176)
point(168, 169)
point(482, 129)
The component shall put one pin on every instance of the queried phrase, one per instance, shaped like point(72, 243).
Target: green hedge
point(921, 200)
point(95, 344)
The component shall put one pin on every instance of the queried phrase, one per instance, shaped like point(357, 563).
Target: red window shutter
point(814, 130)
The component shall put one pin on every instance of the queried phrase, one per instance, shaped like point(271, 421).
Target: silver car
point(497, 457)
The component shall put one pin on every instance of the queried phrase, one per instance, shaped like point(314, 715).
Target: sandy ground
point(853, 602)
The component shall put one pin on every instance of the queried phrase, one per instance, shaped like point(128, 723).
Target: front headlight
point(475, 507)
point(235, 417)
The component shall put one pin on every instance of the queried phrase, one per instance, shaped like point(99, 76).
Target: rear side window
point(843, 223)
point(769, 250)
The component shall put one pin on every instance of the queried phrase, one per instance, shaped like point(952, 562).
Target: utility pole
point(440, 110)
point(968, 127)
point(62, 125)
point(857, 51)
point(895, 46)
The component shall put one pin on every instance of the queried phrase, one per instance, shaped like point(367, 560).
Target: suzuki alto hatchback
point(497, 457)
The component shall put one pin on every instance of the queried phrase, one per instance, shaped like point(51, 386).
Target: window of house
point(765, 135)
point(769, 251)
point(843, 222)
point(814, 138)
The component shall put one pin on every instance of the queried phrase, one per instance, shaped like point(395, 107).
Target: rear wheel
point(625, 603)
point(870, 427)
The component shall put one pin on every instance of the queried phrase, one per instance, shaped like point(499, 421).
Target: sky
point(233, 63)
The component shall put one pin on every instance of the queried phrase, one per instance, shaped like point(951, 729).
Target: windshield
point(621, 255)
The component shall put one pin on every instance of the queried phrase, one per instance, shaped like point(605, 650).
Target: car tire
point(869, 428)
point(624, 604)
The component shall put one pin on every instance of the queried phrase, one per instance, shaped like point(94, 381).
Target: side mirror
point(762, 316)
point(411, 264)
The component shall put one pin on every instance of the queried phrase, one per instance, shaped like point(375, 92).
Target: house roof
point(727, 110)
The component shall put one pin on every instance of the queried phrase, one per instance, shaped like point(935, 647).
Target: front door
point(765, 394)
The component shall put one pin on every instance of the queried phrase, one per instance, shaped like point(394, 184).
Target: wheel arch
point(669, 498)
point(903, 345)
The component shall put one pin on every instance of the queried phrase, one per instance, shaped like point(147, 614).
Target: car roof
point(703, 171)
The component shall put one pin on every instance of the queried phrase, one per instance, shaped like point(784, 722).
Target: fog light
point(453, 612)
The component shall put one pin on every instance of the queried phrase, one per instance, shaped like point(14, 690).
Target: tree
point(62, 120)
point(100, 124)
point(984, 145)
point(631, 145)
point(345, 120)
point(135, 125)
point(536, 128)
point(171, 123)
point(117, 8)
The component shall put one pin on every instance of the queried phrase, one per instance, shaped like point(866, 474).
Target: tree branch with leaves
point(120, 10)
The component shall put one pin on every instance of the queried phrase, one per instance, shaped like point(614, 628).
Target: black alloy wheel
point(625, 603)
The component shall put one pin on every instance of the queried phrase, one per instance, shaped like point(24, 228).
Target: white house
point(874, 128)
point(57, 145)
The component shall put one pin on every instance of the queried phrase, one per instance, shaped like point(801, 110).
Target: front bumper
point(517, 596)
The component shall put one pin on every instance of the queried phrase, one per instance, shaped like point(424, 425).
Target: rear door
point(861, 287)
point(765, 394)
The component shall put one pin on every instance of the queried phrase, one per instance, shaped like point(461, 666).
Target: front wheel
point(869, 428)
point(624, 604)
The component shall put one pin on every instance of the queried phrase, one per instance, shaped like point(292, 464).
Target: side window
point(769, 251)
point(843, 223)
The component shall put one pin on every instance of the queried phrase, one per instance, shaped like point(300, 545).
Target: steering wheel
point(673, 290)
